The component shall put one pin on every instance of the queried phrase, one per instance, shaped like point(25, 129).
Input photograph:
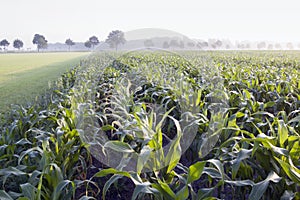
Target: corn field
point(159, 125)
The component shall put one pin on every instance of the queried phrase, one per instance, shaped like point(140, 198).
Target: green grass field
point(24, 76)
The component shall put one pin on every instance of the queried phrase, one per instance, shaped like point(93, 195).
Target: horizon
point(233, 20)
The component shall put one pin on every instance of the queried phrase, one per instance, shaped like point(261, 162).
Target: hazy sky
point(58, 20)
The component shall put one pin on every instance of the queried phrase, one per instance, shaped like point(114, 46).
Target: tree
point(148, 43)
point(181, 44)
point(191, 44)
point(270, 47)
point(261, 45)
point(290, 46)
point(88, 44)
point(94, 41)
point(174, 43)
point(70, 43)
point(219, 43)
point(166, 45)
point(4, 43)
point(18, 44)
point(202, 45)
point(278, 46)
point(115, 38)
point(40, 41)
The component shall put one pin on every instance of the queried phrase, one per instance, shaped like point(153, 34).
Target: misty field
point(160, 125)
point(26, 75)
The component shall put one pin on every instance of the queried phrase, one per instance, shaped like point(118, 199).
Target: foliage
point(94, 41)
point(70, 43)
point(18, 44)
point(40, 41)
point(166, 45)
point(4, 43)
point(148, 43)
point(115, 38)
point(88, 44)
point(45, 155)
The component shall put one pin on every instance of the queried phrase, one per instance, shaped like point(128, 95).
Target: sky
point(237, 20)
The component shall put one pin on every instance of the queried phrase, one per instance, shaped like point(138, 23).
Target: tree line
point(114, 39)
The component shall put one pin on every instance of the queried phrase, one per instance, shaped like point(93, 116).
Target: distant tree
point(202, 45)
point(240, 46)
point(191, 44)
point(277, 46)
point(181, 44)
point(148, 43)
point(70, 43)
point(174, 43)
point(115, 38)
point(94, 41)
point(40, 41)
point(227, 46)
point(205, 44)
point(88, 44)
point(290, 46)
point(212, 43)
point(4, 43)
point(270, 47)
point(299, 45)
point(261, 45)
point(18, 44)
point(166, 45)
point(218, 43)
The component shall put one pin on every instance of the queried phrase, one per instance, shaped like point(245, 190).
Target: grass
point(24, 76)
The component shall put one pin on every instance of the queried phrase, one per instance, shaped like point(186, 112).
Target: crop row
point(160, 125)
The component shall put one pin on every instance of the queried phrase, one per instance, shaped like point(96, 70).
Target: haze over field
point(235, 20)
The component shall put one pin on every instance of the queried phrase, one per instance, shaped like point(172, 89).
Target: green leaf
point(87, 198)
point(174, 153)
point(28, 190)
point(287, 195)
point(119, 146)
point(295, 119)
point(108, 183)
point(143, 158)
point(24, 153)
point(240, 183)
point(23, 198)
point(107, 128)
point(5, 196)
point(278, 150)
point(61, 188)
point(239, 114)
point(263, 113)
point(218, 165)
point(182, 194)
point(259, 188)
point(283, 133)
point(287, 168)
point(212, 172)
point(105, 172)
point(143, 188)
point(242, 154)
point(167, 189)
point(11, 170)
point(23, 141)
point(195, 171)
